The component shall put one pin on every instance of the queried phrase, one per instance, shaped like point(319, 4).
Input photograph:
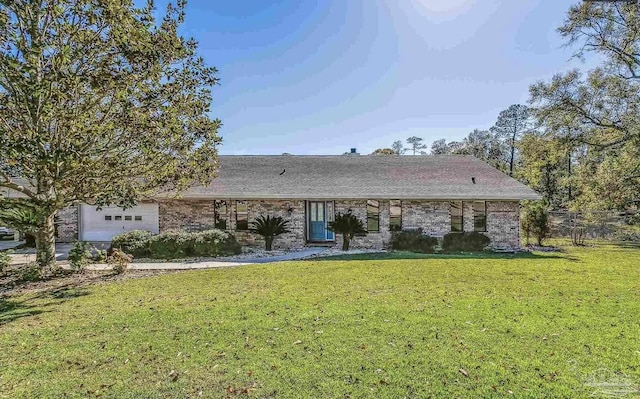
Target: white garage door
point(104, 224)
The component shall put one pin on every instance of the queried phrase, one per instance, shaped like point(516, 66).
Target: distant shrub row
point(465, 242)
point(415, 241)
point(176, 244)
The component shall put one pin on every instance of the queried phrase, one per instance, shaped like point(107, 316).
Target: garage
point(103, 224)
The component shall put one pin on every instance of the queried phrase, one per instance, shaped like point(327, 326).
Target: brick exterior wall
point(503, 224)
point(503, 220)
point(292, 211)
point(188, 215)
point(434, 218)
point(66, 222)
point(372, 239)
point(198, 215)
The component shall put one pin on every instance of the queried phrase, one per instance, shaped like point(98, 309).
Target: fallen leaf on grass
point(463, 372)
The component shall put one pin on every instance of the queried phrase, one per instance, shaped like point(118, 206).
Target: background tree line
point(577, 142)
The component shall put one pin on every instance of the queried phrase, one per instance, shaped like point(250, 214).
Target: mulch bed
point(11, 285)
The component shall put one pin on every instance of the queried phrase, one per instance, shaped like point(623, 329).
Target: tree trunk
point(513, 154)
point(569, 173)
point(268, 243)
point(46, 243)
point(345, 242)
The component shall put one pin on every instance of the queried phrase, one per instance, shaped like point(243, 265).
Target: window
point(128, 217)
point(395, 215)
point(138, 218)
point(457, 222)
point(330, 218)
point(480, 216)
point(220, 214)
point(118, 217)
point(107, 217)
point(242, 215)
point(373, 215)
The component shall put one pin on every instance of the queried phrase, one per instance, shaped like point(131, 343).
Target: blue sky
point(320, 77)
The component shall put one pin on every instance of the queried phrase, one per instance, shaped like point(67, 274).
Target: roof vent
point(473, 179)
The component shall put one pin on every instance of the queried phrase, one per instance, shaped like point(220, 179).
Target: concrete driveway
point(27, 255)
point(8, 244)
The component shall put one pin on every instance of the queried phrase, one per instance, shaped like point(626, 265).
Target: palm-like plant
point(349, 226)
point(269, 228)
point(23, 218)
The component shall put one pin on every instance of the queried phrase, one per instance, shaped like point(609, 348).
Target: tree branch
point(6, 182)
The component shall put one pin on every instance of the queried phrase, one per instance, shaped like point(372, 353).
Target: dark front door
point(317, 221)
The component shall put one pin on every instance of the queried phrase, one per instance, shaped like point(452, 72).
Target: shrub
point(79, 255)
point(349, 226)
point(134, 242)
point(628, 235)
point(119, 261)
point(214, 243)
point(414, 241)
point(100, 256)
point(179, 244)
point(5, 260)
point(171, 244)
point(269, 228)
point(30, 272)
point(465, 242)
point(535, 221)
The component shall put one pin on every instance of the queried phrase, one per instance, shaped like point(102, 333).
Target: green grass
point(520, 326)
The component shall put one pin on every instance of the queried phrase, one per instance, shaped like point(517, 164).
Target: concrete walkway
point(193, 265)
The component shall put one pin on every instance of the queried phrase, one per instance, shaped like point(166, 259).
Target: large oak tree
point(600, 110)
point(102, 103)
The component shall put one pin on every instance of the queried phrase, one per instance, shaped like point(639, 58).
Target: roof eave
point(533, 197)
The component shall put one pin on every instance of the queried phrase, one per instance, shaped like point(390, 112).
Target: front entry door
point(317, 221)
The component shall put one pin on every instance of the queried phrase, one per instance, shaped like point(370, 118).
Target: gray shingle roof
point(360, 177)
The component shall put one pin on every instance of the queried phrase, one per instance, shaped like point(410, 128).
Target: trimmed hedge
point(134, 242)
point(171, 244)
point(175, 244)
point(465, 242)
point(215, 243)
point(413, 241)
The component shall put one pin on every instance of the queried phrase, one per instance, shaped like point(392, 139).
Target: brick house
point(439, 194)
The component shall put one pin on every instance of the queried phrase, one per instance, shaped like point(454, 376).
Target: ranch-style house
point(438, 194)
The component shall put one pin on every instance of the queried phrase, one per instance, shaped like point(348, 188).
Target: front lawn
point(550, 325)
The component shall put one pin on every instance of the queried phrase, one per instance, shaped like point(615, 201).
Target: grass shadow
point(11, 310)
point(33, 305)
